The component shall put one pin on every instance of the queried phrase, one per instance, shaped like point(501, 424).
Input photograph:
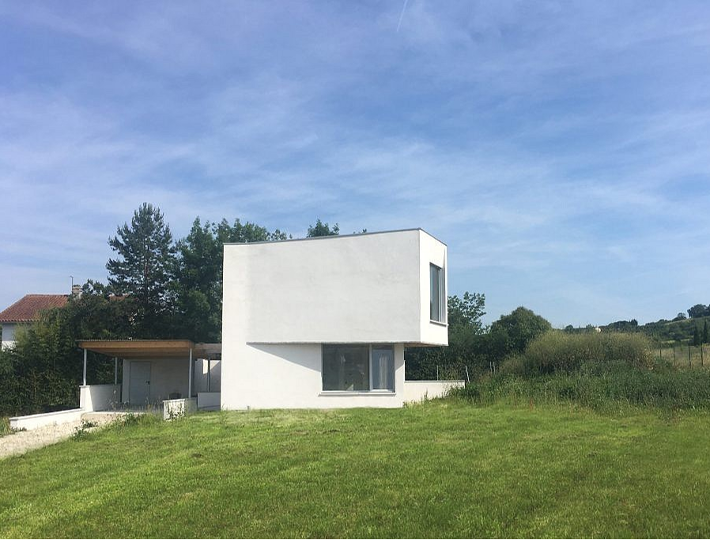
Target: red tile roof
point(28, 307)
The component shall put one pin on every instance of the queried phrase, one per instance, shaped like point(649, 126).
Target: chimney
point(76, 290)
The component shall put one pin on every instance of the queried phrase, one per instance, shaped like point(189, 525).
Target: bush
point(562, 352)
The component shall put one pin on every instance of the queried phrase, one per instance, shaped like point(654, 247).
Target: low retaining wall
point(423, 390)
point(172, 408)
point(208, 400)
point(99, 397)
point(34, 421)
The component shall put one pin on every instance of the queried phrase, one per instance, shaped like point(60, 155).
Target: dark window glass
point(346, 367)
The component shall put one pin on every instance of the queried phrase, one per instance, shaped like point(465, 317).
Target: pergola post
point(84, 377)
point(189, 382)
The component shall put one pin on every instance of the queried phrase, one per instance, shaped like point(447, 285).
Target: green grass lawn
point(442, 469)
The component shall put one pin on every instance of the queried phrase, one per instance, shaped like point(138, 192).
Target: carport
point(154, 373)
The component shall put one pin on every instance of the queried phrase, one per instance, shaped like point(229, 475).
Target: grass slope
point(442, 469)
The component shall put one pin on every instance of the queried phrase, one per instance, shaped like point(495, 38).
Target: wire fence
point(684, 354)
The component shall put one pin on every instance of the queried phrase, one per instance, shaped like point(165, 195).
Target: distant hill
point(663, 330)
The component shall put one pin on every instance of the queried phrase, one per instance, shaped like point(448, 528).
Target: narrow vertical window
point(383, 368)
point(437, 293)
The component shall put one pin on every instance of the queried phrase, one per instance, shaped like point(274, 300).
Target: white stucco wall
point(35, 421)
point(432, 252)
point(174, 408)
point(283, 300)
point(357, 289)
point(423, 390)
point(167, 375)
point(288, 376)
point(99, 397)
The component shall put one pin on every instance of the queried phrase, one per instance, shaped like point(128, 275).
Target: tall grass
point(594, 370)
point(618, 384)
point(556, 351)
point(4, 426)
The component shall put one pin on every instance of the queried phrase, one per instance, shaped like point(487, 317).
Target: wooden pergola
point(150, 349)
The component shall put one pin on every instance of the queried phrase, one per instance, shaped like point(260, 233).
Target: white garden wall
point(423, 390)
point(35, 421)
point(99, 397)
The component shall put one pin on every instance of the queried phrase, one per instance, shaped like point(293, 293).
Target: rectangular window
point(358, 368)
point(437, 293)
point(383, 368)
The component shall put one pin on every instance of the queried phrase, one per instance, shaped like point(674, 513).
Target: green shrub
point(557, 351)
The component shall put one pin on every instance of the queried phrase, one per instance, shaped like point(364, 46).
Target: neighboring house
point(323, 322)
point(25, 311)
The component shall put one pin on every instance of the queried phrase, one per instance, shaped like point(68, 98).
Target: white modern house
point(307, 323)
point(323, 322)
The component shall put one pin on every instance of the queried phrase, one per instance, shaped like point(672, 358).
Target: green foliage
point(698, 310)
point(323, 229)
point(560, 351)
point(696, 336)
point(512, 333)
point(465, 339)
point(144, 268)
point(624, 326)
point(42, 371)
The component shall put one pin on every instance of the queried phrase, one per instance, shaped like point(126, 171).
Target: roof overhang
point(151, 348)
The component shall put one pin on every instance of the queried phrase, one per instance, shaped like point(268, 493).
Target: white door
point(139, 389)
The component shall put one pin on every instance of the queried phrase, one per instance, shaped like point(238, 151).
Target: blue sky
point(560, 149)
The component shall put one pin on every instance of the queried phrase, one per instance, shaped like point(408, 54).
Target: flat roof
point(332, 236)
point(150, 348)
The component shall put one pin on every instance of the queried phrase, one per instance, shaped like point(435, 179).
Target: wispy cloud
point(559, 148)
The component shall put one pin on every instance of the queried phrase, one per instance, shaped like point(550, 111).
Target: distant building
point(25, 311)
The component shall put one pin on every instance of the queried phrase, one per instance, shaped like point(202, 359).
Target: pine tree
point(144, 268)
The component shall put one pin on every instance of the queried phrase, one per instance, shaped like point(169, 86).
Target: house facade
point(24, 312)
point(323, 322)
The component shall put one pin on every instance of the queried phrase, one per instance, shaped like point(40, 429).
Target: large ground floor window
point(358, 368)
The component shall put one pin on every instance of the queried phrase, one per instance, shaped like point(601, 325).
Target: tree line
point(157, 288)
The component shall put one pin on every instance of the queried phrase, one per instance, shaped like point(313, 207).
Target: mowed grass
point(441, 469)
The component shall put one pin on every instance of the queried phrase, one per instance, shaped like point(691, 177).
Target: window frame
point(370, 347)
point(443, 312)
